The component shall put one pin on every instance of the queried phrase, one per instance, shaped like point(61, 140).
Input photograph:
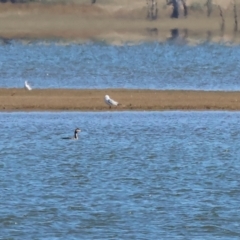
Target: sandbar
point(14, 99)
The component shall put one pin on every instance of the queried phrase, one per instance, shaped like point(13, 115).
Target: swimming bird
point(27, 86)
point(110, 102)
point(75, 137)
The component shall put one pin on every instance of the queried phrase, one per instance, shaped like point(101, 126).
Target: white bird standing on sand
point(27, 86)
point(75, 137)
point(110, 102)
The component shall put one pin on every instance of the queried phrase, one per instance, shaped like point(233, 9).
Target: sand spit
point(138, 100)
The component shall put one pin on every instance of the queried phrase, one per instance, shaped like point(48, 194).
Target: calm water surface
point(145, 66)
point(141, 175)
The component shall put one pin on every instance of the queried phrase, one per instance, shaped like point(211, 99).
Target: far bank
point(115, 22)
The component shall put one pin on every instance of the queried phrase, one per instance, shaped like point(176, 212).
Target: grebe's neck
point(77, 130)
point(76, 134)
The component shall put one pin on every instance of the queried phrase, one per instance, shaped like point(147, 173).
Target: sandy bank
point(93, 100)
point(111, 21)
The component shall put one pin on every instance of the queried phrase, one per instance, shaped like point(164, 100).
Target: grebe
point(110, 102)
point(27, 86)
point(75, 137)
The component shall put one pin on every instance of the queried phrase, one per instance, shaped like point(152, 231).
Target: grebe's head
point(77, 130)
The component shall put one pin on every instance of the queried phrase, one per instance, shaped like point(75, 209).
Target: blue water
point(131, 175)
point(144, 66)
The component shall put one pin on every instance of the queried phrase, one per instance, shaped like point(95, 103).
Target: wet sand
point(93, 100)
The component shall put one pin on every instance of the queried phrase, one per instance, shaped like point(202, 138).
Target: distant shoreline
point(115, 23)
point(131, 100)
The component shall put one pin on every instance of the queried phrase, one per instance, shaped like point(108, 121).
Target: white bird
point(110, 102)
point(27, 86)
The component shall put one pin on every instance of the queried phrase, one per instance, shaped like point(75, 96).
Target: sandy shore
point(113, 21)
point(93, 100)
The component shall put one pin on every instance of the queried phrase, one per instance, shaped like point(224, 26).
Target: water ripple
point(144, 66)
point(170, 175)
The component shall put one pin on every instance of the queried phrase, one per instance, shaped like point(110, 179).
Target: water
point(143, 66)
point(131, 175)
